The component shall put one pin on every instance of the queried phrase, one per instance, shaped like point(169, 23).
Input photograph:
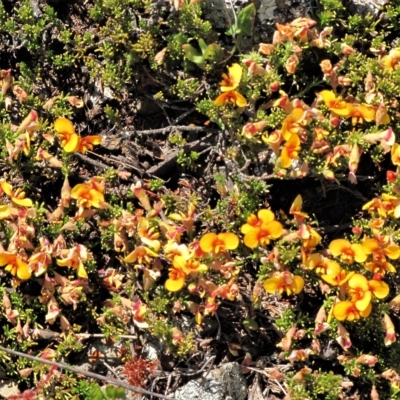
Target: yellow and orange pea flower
point(141, 255)
point(335, 104)
point(213, 243)
point(290, 151)
point(74, 258)
point(260, 229)
point(381, 250)
point(377, 207)
point(228, 85)
point(348, 310)
point(360, 113)
point(70, 140)
point(15, 264)
point(309, 236)
point(395, 154)
point(361, 292)
point(320, 264)
point(335, 275)
point(232, 80)
point(347, 251)
point(292, 123)
point(295, 209)
point(232, 97)
point(17, 197)
point(181, 268)
point(88, 195)
point(284, 282)
point(391, 61)
point(148, 234)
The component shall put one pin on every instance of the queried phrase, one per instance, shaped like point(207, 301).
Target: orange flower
point(15, 265)
point(211, 242)
point(66, 133)
point(232, 97)
point(348, 310)
point(284, 282)
point(17, 197)
point(347, 252)
point(290, 151)
point(232, 80)
point(335, 104)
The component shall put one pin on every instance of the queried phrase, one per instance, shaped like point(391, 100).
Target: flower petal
point(64, 125)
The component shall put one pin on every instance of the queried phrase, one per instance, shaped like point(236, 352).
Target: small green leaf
point(113, 392)
point(245, 22)
point(203, 45)
point(213, 52)
point(96, 393)
point(193, 55)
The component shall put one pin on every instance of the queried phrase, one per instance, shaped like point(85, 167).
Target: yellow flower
point(395, 153)
point(17, 197)
point(232, 97)
point(284, 282)
point(358, 290)
point(347, 310)
point(211, 242)
point(88, 195)
point(335, 104)
point(15, 265)
point(176, 279)
point(347, 252)
point(295, 209)
point(74, 258)
point(232, 80)
point(320, 264)
point(290, 151)
point(259, 231)
point(86, 143)
point(66, 133)
point(360, 113)
point(291, 124)
point(335, 275)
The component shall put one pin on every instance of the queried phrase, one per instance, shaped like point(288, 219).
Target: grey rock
point(224, 383)
point(364, 7)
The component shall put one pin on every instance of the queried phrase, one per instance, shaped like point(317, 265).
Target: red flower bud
point(274, 86)
point(391, 176)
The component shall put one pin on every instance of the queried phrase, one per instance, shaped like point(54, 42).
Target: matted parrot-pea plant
point(210, 263)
